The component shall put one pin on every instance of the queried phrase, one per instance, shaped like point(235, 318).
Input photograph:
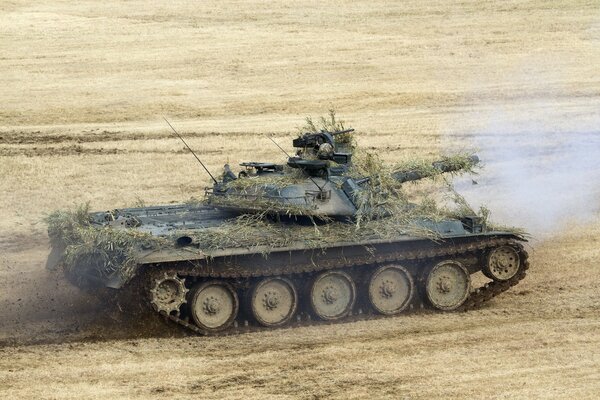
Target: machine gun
point(316, 150)
point(315, 140)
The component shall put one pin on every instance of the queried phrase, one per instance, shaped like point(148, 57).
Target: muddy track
point(70, 150)
point(38, 138)
point(416, 261)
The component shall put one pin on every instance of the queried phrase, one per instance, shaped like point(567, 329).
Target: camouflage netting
point(385, 211)
point(100, 251)
point(384, 195)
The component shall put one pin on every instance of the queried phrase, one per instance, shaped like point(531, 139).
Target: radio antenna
point(192, 151)
point(280, 148)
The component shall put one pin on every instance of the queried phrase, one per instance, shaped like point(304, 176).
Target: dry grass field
point(84, 86)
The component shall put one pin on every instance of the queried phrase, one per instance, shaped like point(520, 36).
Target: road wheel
point(273, 301)
point(390, 289)
point(332, 295)
point(448, 285)
point(503, 263)
point(214, 305)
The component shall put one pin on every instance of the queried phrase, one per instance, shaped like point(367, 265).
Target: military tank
point(315, 239)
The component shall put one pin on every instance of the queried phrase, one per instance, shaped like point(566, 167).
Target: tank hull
point(186, 283)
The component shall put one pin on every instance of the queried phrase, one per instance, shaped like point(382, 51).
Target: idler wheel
point(273, 301)
point(448, 285)
point(503, 263)
point(390, 289)
point(214, 305)
point(167, 293)
point(332, 295)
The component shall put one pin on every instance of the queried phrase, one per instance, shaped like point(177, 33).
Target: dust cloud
point(541, 165)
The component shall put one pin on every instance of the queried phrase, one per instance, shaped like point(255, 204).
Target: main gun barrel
point(438, 167)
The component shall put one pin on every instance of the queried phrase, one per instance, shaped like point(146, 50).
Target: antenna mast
point(192, 151)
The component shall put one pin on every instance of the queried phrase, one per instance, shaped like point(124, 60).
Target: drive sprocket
point(168, 292)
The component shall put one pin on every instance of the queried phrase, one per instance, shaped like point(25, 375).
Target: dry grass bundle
point(384, 212)
point(289, 176)
point(459, 164)
point(259, 230)
point(63, 225)
point(462, 208)
point(344, 142)
point(330, 123)
point(100, 251)
point(254, 199)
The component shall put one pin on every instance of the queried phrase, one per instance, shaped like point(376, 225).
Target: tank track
point(476, 299)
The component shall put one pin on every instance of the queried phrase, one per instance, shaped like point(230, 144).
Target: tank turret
point(319, 180)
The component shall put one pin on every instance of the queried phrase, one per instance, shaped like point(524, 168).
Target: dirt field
point(85, 86)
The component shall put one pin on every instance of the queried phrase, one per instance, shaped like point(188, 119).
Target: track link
point(475, 300)
point(492, 289)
